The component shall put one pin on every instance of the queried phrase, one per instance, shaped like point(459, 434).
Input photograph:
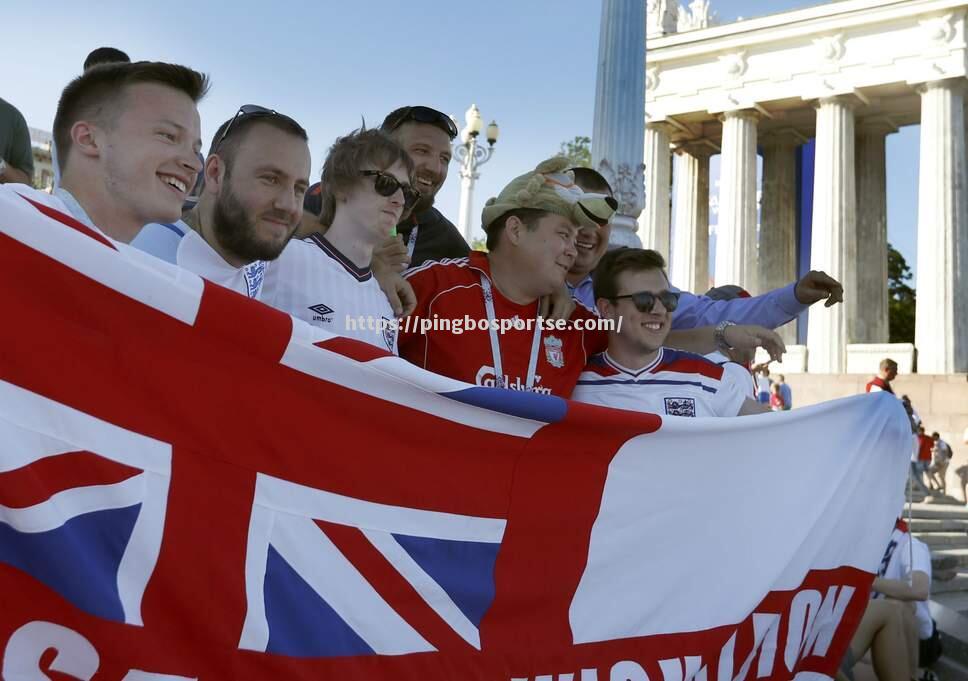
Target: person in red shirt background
point(925, 445)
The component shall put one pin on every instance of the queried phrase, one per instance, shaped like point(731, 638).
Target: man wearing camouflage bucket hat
point(477, 317)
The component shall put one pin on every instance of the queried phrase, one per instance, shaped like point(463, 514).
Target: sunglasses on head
point(387, 185)
point(644, 301)
point(245, 111)
point(420, 114)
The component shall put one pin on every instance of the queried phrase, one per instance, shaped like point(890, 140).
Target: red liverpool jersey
point(450, 293)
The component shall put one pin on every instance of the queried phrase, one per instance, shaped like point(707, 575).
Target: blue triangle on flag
point(301, 623)
point(79, 560)
point(464, 569)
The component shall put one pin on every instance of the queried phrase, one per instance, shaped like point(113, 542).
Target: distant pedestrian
point(786, 392)
point(887, 372)
point(940, 458)
point(776, 398)
point(763, 383)
point(923, 461)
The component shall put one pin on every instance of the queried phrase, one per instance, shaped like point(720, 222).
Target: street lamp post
point(471, 155)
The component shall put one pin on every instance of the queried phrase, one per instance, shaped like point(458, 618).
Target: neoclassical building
point(815, 92)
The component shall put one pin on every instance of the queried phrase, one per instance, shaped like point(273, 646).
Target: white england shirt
point(314, 282)
point(676, 383)
point(180, 245)
point(735, 373)
point(897, 564)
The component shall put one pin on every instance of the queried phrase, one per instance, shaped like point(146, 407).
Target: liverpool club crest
point(553, 352)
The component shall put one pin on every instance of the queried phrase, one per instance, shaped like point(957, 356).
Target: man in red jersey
point(531, 228)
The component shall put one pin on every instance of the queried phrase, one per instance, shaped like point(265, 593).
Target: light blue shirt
point(772, 309)
point(161, 239)
point(74, 208)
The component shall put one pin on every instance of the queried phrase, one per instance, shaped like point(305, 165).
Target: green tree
point(478, 244)
point(578, 151)
point(902, 299)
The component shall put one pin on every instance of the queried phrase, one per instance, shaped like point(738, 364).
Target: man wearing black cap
point(424, 233)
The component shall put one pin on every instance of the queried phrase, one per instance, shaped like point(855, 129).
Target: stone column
point(689, 265)
point(618, 130)
point(869, 323)
point(655, 219)
point(833, 246)
point(941, 322)
point(736, 231)
point(777, 253)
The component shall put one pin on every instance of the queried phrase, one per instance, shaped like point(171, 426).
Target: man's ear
point(86, 137)
point(214, 173)
point(514, 229)
point(605, 308)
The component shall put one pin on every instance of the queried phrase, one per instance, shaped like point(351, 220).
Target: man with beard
point(256, 175)
point(128, 136)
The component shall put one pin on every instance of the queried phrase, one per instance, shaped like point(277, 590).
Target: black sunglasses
point(244, 112)
point(420, 114)
point(644, 301)
point(387, 185)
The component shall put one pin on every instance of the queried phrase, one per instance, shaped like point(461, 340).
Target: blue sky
point(331, 65)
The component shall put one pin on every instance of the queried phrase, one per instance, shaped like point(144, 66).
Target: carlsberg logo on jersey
point(485, 377)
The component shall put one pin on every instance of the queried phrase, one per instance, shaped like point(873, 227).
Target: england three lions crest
point(680, 406)
point(553, 352)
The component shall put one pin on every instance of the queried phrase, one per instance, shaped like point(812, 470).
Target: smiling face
point(374, 215)
point(258, 200)
point(641, 332)
point(545, 252)
point(429, 147)
point(592, 243)
point(149, 153)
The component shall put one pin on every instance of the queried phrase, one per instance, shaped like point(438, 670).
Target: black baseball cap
point(420, 114)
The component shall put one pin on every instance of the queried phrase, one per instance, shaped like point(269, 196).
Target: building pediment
point(875, 50)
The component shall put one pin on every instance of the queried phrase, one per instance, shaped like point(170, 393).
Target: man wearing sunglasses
point(326, 279)
point(423, 232)
point(637, 372)
point(256, 174)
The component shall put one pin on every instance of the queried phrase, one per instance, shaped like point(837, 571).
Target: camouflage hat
point(551, 187)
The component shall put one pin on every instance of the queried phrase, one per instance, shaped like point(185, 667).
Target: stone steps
point(942, 540)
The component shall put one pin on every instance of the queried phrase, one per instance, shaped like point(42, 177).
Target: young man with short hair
point(326, 279)
point(423, 233)
point(256, 175)
point(637, 372)
point(128, 136)
point(887, 372)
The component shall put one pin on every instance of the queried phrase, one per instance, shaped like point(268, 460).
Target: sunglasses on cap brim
point(387, 185)
point(644, 301)
point(597, 208)
point(421, 114)
point(245, 111)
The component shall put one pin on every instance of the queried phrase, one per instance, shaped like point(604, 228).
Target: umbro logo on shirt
point(320, 312)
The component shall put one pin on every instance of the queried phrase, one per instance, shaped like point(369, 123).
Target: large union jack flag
point(193, 485)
